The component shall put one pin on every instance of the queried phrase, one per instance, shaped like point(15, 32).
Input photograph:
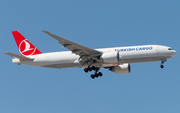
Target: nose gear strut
point(162, 62)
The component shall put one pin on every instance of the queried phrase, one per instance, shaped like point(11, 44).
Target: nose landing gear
point(162, 62)
point(162, 66)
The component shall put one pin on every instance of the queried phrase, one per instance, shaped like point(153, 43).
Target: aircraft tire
point(96, 75)
point(86, 70)
point(92, 76)
point(161, 66)
point(100, 74)
point(93, 68)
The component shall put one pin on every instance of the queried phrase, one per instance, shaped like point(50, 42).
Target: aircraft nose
point(172, 52)
point(175, 53)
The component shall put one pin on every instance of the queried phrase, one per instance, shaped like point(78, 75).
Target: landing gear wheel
point(96, 75)
point(100, 74)
point(161, 66)
point(89, 69)
point(86, 70)
point(92, 76)
point(93, 68)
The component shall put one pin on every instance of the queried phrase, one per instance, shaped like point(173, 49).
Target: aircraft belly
point(141, 59)
point(64, 65)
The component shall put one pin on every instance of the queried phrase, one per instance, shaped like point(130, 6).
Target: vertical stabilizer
point(25, 47)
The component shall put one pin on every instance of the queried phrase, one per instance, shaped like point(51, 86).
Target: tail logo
point(25, 48)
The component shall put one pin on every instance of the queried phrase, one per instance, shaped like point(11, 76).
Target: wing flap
point(17, 56)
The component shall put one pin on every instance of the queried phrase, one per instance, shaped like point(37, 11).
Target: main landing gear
point(162, 62)
point(96, 75)
point(96, 69)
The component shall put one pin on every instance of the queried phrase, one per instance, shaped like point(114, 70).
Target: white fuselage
point(131, 54)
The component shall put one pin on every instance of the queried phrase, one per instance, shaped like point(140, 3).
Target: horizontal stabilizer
point(17, 56)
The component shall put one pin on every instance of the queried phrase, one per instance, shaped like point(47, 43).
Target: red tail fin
point(25, 47)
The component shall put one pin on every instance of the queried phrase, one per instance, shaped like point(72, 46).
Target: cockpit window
point(170, 49)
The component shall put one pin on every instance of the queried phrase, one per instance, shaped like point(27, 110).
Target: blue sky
point(95, 24)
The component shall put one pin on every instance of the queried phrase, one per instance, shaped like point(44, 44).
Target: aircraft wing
point(74, 47)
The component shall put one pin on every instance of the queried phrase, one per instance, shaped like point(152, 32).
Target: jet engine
point(110, 57)
point(121, 69)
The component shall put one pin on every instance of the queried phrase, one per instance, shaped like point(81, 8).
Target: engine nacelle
point(110, 57)
point(121, 69)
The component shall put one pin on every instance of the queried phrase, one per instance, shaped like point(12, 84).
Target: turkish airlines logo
point(25, 48)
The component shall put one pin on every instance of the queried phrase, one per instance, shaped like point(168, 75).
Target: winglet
point(17, 56)
point(45, 31)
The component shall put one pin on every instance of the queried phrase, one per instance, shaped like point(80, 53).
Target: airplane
point(116, 59)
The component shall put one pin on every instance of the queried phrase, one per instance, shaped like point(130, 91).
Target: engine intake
point(121, 69)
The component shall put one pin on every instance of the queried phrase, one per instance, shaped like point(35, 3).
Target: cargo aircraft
point(115, 59)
